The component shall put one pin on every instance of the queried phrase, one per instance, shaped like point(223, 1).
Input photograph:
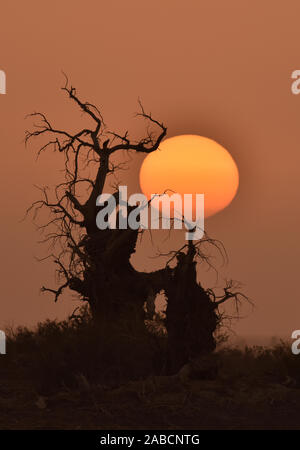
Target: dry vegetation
point(71, 375)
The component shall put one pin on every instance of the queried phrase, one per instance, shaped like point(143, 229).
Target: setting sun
point(190, 164)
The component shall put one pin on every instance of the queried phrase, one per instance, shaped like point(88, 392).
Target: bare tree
point(96, 263)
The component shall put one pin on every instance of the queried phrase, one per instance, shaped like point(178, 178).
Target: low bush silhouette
point(56, 353)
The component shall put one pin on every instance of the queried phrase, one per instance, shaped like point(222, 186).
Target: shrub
point(56, 353)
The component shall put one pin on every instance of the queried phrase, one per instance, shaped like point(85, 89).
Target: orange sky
point(218, 69)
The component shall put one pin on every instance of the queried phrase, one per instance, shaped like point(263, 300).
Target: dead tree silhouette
point(96, 263)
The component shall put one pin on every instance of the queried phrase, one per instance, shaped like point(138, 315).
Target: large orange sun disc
point(190, 164)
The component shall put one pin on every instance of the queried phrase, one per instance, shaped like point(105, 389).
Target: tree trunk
point(116, 292)
point(191, 319)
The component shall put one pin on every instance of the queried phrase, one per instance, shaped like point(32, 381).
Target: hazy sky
point(221, 69)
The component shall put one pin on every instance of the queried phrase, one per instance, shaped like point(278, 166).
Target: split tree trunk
point(191, 319)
